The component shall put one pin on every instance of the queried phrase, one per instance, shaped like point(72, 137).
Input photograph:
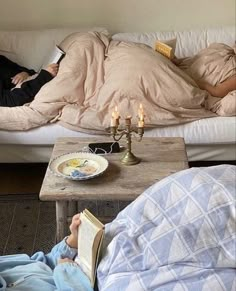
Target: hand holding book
point(55, 57)
point(90, 237)
point(52, 69)
point(72, 239)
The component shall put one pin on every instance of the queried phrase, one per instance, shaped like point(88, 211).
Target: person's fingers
point(53, 66)
point(76, 217)
point(13, 80)
point(56, 68)
point(76, 220)
point(19, 78)
point(65, 260)
point(53, 69)
point(75, 223)
point(16, 80)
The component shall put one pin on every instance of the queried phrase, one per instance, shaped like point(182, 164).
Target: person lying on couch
point(15, 90)
point(221, 89)
point(11, 73)
point(53, 271)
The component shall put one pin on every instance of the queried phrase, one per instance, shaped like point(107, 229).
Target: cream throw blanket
point(98, 74)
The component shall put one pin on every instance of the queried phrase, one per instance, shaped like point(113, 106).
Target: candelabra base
point(130, 159)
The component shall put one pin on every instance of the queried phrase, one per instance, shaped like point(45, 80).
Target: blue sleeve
point(68, 276)
point(61, 250)
point(3, 284)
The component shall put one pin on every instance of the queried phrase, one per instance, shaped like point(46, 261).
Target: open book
point(166, 49)
point(91, 232)
point(55, 57)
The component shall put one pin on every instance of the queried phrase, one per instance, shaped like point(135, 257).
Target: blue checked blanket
point(179, 235)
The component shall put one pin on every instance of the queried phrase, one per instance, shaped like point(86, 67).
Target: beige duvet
point(98, 74)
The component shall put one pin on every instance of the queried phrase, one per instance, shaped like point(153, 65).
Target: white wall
point(116, 15)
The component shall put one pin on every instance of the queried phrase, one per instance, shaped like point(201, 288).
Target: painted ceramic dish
point(78, 166)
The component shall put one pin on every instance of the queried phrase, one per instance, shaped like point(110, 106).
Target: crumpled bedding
point(98, 74)
point(213, 65)
point(178, 235)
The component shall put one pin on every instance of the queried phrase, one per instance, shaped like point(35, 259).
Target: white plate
point(78, 166)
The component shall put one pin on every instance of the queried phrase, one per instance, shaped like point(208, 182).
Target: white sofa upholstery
point(30, 48)
point(206, 139)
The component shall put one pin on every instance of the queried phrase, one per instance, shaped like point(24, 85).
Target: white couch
point(210, 139)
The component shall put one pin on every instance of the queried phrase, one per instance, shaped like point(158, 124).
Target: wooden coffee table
point(160, 157)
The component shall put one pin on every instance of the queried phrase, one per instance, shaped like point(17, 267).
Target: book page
point(87, 234)
point(96, 251)
point(93, 219)
point(55, 57)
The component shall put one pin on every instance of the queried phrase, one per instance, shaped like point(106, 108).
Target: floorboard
point(27, 226)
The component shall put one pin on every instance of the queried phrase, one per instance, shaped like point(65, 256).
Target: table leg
point(72, 208)
point(61, 220)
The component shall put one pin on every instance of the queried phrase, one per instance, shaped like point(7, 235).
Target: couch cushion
point(216, 130)
point(30, 48)
point(188, 42)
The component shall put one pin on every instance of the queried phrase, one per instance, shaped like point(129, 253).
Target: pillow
point(9, 54)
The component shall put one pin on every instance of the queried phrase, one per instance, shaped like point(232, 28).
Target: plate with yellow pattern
point(78, 166)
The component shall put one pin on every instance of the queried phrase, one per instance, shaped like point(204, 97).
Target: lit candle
point(113, 122)
point(117, 112)
point(141, 117)
point(113, 119)
point(140, 123)
point(140, 110)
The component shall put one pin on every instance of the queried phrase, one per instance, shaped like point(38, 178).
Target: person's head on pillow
point(213, 69)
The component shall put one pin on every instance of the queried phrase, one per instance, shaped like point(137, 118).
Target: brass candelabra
point(129, 158)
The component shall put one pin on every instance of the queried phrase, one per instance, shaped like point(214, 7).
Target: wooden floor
point(27, 224)
point(21, 178)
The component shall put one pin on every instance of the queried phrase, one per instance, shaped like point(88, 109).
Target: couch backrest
point(30, 48)
point(188, 42)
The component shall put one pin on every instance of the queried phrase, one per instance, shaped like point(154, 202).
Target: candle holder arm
point(117, 138)
point(129, 158)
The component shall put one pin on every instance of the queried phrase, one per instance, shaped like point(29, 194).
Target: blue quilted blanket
point(179, 235)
